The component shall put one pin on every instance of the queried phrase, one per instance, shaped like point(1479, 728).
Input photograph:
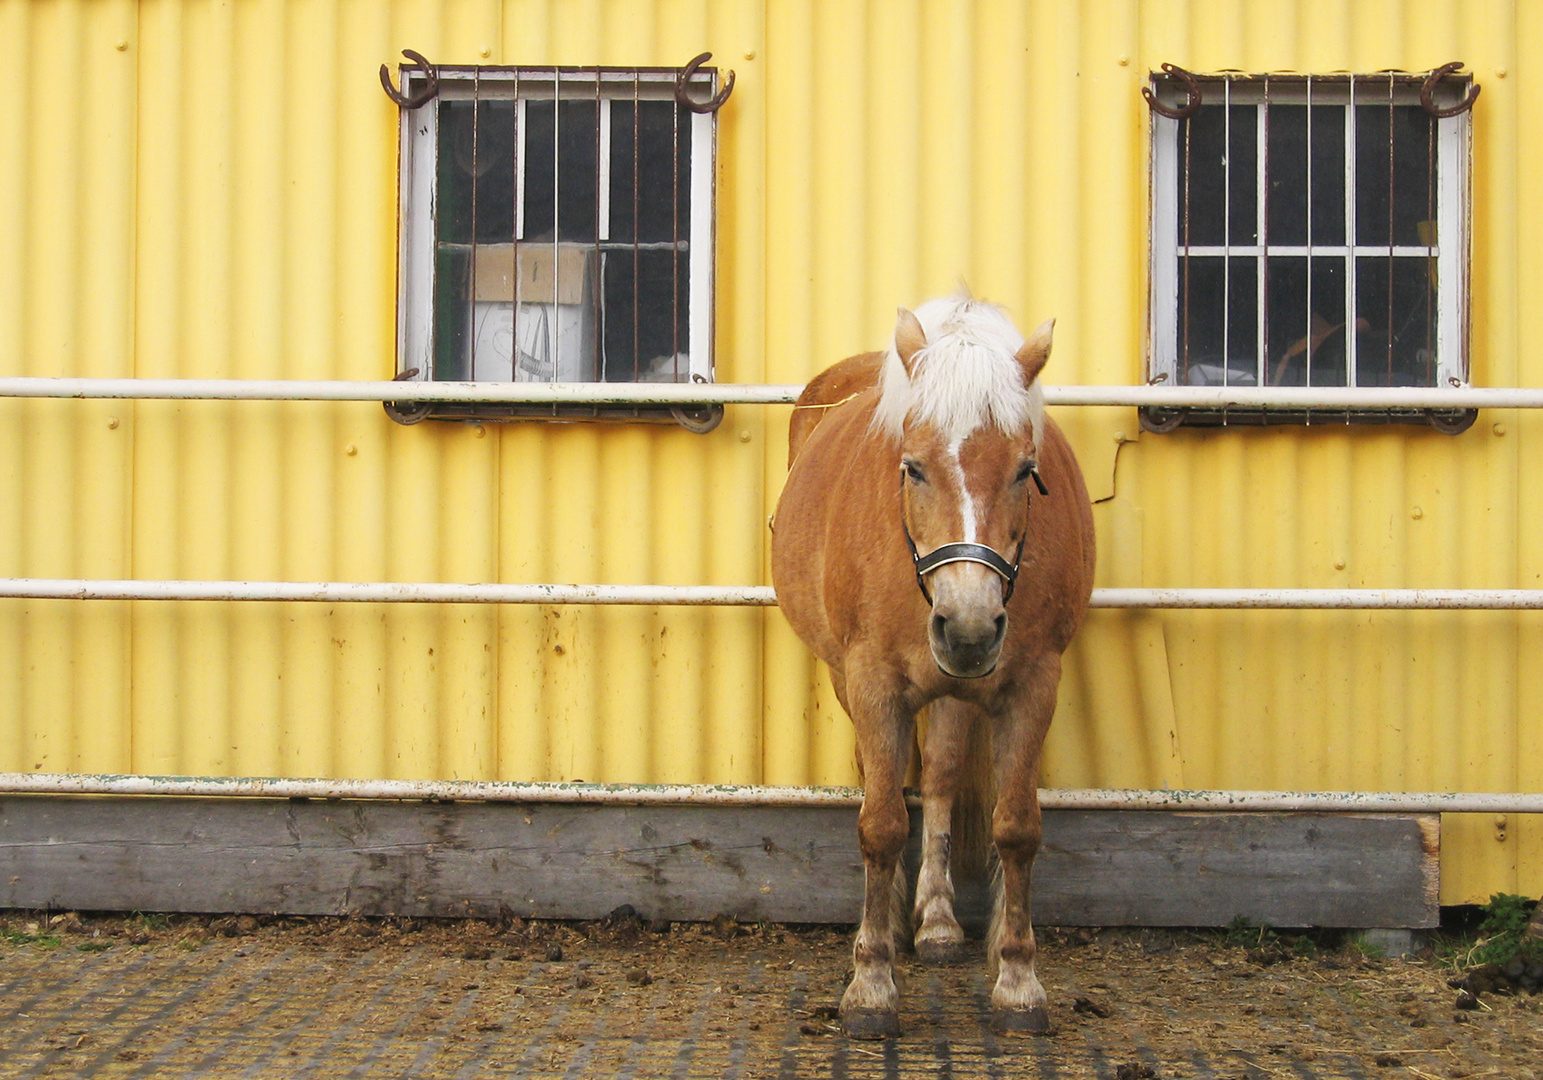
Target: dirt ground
point(185, 996)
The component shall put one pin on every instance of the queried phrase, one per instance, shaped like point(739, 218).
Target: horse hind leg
point(946, 760)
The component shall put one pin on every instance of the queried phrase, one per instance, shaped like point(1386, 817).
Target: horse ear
point(1036, 351)
point(909, 338)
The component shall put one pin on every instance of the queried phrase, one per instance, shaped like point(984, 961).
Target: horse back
point(836, 531)
point(832, 387)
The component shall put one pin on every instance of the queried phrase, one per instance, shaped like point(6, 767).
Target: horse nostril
point(1001, 625)
point(939, 628)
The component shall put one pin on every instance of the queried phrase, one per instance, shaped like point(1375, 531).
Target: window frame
point(1167, 249)
point(418, 221)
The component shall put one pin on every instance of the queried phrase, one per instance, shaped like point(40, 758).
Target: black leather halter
point(959, 551)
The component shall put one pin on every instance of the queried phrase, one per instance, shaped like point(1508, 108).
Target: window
point(1309, 231)
point(557, 226)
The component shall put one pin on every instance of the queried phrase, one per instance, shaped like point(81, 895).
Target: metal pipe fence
point(408, 592)
point(771, 394)
point(1199, 397)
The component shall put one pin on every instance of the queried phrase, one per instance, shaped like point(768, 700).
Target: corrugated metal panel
point(209, 190)
point(1028, 178)
point(66, 306)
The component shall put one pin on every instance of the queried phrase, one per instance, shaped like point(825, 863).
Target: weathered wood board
point(1098, 868)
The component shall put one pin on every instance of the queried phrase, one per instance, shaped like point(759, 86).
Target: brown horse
point(896, 553)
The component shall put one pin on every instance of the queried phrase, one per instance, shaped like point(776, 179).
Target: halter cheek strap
point(965, 552)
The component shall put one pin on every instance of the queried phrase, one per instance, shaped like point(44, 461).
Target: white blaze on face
point(966, 502)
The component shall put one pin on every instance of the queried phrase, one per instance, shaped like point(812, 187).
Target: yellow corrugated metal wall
point(209, 189)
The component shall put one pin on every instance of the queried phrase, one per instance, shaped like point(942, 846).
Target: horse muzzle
point(967, 626)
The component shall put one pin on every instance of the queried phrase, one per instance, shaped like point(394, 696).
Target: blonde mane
point(966, 377)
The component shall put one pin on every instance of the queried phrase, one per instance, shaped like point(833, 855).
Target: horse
point(897, 545)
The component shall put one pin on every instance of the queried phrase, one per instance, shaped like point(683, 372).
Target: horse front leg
point(945, 752)
point(870, 1008)
point(1019, 1004)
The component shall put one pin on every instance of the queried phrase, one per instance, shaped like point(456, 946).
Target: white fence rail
point(1201, 397)
point(406, 592)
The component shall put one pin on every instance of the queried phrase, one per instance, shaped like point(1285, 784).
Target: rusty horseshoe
point(712, 104)
point(1428, 92)
point(430, 89)
point(1190, 84)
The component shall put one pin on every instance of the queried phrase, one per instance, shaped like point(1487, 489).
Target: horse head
point(968, 461)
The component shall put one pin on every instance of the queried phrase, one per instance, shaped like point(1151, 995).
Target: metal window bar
point(602, 221)
point(1263, 360)
point(431, 360)
point(1432, 238)
point(476, 132)
point(1307, 378)
point(556, 324)
point(675, 240)
point(1227, 231)
point(517, 189)
point(1352, 339)
point(521, 126)
point(1392, 175)
point(1184, 368)
point(637, 128)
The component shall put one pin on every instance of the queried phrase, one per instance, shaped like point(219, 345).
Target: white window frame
point(419, 137)
point(1453, 212)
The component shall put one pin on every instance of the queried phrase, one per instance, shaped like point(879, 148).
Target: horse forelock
point(966, 377)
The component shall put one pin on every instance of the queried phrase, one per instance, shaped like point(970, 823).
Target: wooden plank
point(1123, 868)
point(781, 864)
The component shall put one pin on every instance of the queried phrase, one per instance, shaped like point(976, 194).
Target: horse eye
point(913, 472)
point(1025, 471)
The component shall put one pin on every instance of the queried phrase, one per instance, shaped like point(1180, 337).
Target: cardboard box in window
point(539, 325)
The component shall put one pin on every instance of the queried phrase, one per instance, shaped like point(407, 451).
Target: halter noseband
point(960, 551)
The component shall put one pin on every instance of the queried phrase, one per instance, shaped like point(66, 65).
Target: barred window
point(557, 226)
point(1308, 231)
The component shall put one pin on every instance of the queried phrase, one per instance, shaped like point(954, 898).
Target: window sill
point(695, 418)
point(1163, 419)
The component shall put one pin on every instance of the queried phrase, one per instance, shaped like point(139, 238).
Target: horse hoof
point(941, 952)
point(870, 1024)
point(1035, 1021)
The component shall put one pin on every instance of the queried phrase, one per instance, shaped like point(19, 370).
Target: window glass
point(1306, 172)
point(1305, 308)
point(646, 138)
point(562, 239)
point(1397, 207)
point(562, 179)
point(475, 172)
point(1395, 299)
point(645, 266)
point(1214, 169)
point(1306, 331)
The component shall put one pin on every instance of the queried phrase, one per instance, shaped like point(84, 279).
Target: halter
point(959, 551)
